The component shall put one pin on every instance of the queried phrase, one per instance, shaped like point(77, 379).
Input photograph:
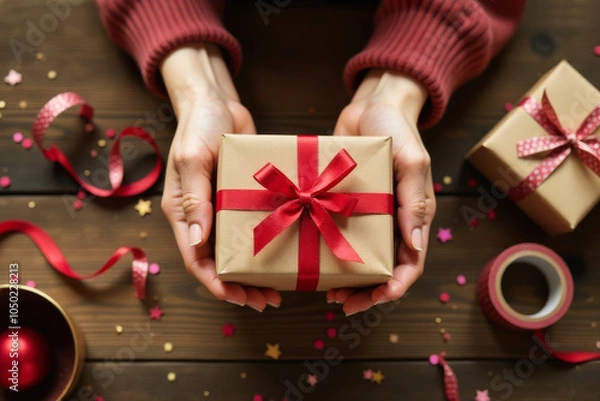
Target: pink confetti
point(482, 395)
point(156, 313)
point(93, 153)
point(89, 127)
point(228, 330)
point(30, 283)
point(13, 78)
point(598, 344)
point(474, 222)
point(367, 374)
point(77, 205)
point(80, 194)
point(4, 181)
point(491, 215)
point(461, 280)
point(312, 380)
point(319, 344)
point(311, 110)
point(17, 137)
point(444, 235)
point(154, 268)
point(447, 337)
point(257, 397)
point(472, 182)
point(508, 106)
point(331, 332)
point(110, 133)
point(444, 297)
point(437, 187)
point(99, 398)
point(27, 144)
point(597, 50)
point(329, 316)
point(434, 359)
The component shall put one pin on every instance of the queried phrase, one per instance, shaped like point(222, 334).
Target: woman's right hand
point(206, 105)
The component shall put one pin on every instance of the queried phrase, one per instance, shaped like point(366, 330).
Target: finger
point(342, 294)
point(255, 299)
point(331, 296)
point(272, 297)
point(358, 302)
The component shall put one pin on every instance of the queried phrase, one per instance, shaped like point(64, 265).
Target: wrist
point(393, 88)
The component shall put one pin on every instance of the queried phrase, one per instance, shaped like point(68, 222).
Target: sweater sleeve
point(441, 43)
point(149, 29)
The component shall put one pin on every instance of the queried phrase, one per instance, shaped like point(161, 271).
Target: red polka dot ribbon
point(66, 100)
point(52, 253)
point(560, 143)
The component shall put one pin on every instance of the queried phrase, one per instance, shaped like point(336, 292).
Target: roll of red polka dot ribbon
point(560, 294)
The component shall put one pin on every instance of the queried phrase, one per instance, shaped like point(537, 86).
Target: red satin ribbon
point(560, 143)
point(569, 357)
point(64, 101)
point(311, 202)
point(139, 265)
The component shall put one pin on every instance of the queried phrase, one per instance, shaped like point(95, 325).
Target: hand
point(207, 105)
point(388, 103)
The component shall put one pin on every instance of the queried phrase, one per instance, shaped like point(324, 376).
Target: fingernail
point(331, 301)
point(417, 239)
point(273, 305)
point(351, 313)
point(231, 301)
point(256, 309)
point(195, 234)
point(383, 301)
point(338, 302)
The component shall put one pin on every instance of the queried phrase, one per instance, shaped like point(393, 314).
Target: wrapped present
point(545, 153)
point(304, 212)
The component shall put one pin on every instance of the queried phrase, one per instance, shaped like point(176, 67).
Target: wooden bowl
point(40, 312)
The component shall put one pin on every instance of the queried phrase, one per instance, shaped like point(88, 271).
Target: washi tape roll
point(554, 269)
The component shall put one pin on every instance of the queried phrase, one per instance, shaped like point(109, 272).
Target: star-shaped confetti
point(444, 234)
point(367, 374)
point(482, 395)
point(377, 377)
point(13, 78)
point(273, 351)
point(312, 380)
point(156, 313)
point(228, 330)
point(144, 207)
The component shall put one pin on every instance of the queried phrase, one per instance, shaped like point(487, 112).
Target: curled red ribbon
point(66, 100)
point(139, 265)
point(311, 203)
point(560, 143)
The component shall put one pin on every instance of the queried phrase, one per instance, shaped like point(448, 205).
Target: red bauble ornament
point(24, 358)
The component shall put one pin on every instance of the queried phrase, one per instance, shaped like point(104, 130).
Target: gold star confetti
point(52, 74)
point(40, 56)
point(101, 143)
point(273, 351)
point(206, 393)
point(87, 173)
point(442, 330)
point(438, 320)
point(243, 375)
point(171, 376)
point(143, 234)
point(168, 347)
point(143, 207)
point(22, 104)
point(2, 104)
point(118, 328)
point(377, 377)
point(31, 205)
point(394, 338)
point(447, 180)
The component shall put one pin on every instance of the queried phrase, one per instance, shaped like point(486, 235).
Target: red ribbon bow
point(561, 143)
point(311, 203)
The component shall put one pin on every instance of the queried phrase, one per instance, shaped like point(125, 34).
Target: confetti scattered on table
point(101, 143)
point(77, 205)
point(143, 234)
point(52, 75)
point(110, 133)
point(447, 180)
point(442, 331)
point(461, 279)
point(491, 215)
point(394, 338)
point(156, 313)
point(23, 104)
point(168, 347)
point(508, 106)
point(257, 397)
point(311, 110)
point(447, 337)
point(319, 344)
point(154, 269)
point(31, 204)
point(87, 172)
point(598, 344)
point(30, 283)
point(143, 207)
point(331, 332)
point(206, 393)
point(40, 56)
point(2, 104)
point(228, 330)
point(89, 127)
point(437, 187)
point(367, 374)
point(597, 50)
point(472, 182)
point(118, 329)
point(438, 320)
point(474, 222)
point(273, 351)
point(594, 324)
point(80, 194)
point(444, 235)
point(243, 375)
point(330, 316)
point(99, 398)
point(434, 359)
point(444, 297)
point(4, 181)
point(27, 144)
point(377, 377)
point(171, 376)
point(312, 380)
point(13, 78)
point(482, 395)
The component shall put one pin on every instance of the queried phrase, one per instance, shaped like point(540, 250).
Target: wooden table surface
point(291, 65)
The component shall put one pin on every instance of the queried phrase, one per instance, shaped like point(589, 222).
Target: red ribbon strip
point(139, 265)
point(64, 101)
point(560, 143)
point(569, 357)
point(311, 202)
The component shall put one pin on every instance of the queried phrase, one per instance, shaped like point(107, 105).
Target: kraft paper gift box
point(517, 155)
point(259, 243)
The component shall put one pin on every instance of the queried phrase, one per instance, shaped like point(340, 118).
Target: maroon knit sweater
point(441, 43)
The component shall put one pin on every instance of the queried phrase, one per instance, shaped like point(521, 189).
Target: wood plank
point(278, 97)
point(410, 381)
point(193, 318)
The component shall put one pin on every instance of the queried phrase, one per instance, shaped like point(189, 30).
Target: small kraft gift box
point(305, 212)
point(545, 153)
